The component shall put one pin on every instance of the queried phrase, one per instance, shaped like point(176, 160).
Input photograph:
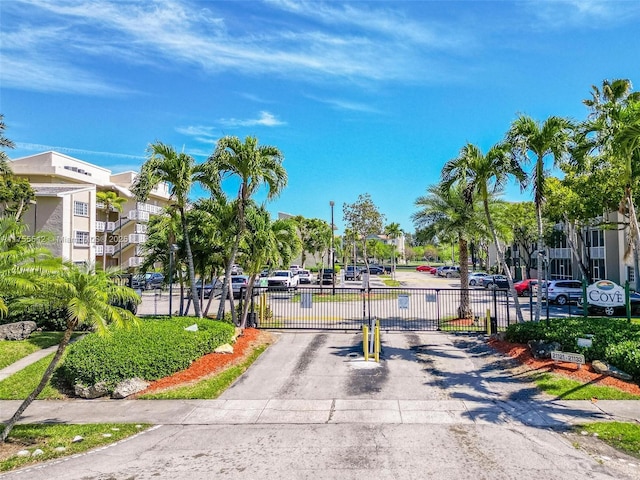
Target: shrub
point(155, 349)
point(52, 319)
point(615, 340)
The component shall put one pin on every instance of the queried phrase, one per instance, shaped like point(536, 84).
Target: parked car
point(305, 276)
point(325, 276)
point(282, 280)
point(295, 269)
point(562, 291)
point(238, 282)
point(236, 270)
point(475, 278)
point(352, 272)
point(147, 281)
point(526, 287)
point(495, 281)
point(605, 297)
point(373, 270)
point(449, 271)
point(214, 288)
point(425, 268)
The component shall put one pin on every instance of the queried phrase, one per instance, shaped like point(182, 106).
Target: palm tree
point(550, 138)
point(444, 213)
point(178, 170)
point(393, 231)
point(5, 169)
point(111, 202)
point(486, 175)
point(255, 166)
point(89, 298)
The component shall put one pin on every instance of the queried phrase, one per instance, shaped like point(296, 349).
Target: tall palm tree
point(5, 169)
point(486, 175)
point(393, 231)
point(111, 202)
point(255, 166)
point(179, 171)
point(444, 213)
point(89, 298)
point(549, 139)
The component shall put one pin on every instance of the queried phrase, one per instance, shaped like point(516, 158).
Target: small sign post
point(568, 357)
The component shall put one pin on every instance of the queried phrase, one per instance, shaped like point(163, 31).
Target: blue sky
point(361, 96)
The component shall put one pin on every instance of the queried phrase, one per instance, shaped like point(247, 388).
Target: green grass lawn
point(57, 441)
point(569, 389)
point(19, 385)
point(621, 436)
point(13, 350)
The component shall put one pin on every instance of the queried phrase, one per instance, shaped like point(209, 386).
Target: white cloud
point(265, 119)
point(75, 151)
point(582, 13)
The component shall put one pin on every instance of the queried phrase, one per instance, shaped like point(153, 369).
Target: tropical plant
point(255, 166)
point(5, 169)
point(485, 175)
point(110, 202)
point(90, 298)
point(445, 214)
point(393, 231)
point(550, 139)
point(179, 171)
point(315, 235)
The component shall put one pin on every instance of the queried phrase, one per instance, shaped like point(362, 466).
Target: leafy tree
point(178, 170)
point(549, 139)
point(255, 166)
point(315, 235)
point(521, 218)
point(111, 202)
point(89, 298)
point(363, 219)
point(16, 194)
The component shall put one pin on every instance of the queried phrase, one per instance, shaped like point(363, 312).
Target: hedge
point(614, 340)
point(155, 349)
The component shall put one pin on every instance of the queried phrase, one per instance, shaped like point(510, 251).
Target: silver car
point(562, 291)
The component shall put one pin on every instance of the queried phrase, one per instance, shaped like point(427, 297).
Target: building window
point(81, 239)
point(81, 209)
point(631, 274)
point(597, 269)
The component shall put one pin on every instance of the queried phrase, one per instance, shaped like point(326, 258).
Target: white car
point(283, 280)
point(305, 277)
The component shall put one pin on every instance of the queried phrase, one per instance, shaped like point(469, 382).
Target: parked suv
point(449, 272)
point(147, 281)
point(325, 276)
point(352, 272)
point(562, 291)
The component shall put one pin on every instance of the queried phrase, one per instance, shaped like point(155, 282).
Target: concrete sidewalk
point(26, 361)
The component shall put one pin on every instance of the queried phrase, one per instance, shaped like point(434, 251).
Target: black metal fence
point(396, 309)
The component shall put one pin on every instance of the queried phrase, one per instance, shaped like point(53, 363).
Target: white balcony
point(559, 253)
point(597, 252)
point(111, 226)
point(137, 238)
point(139, 215)
point(110, 250)
point(147, 207)
point(140, 228)
point(135, 261)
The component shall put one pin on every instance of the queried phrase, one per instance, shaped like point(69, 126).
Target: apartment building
point(66, 206)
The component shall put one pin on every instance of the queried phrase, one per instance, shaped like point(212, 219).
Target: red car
point(523, 287)
point(425, 268)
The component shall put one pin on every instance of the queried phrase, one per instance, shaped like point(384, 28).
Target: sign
point(403, 301)
point(605, 293)
point(305, 300)
point(431, 297)
point(567, 357)
point(585, 342)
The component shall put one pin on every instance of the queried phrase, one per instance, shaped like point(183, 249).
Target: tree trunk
point(501, 261)
point(104, 241)
point(248, 297)
point(633, 220)
point(540, 264)
point(464, 311)
point(45, 379)
point(192, 273)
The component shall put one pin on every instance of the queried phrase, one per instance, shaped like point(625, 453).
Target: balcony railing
point(139, 215)
point(137, 238)
point(110, 249)
point(111, 226)
point(597, 252)
point(559, 253)
point(135, 261)
point(140, 228)
point(146, 207)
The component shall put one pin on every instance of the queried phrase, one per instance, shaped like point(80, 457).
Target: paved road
point(437, 406)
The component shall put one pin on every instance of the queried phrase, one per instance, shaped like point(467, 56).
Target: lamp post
point(333, 255)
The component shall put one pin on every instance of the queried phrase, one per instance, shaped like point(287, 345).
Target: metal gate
point(396, 309)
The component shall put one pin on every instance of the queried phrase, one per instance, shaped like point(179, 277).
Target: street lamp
point(333, 254)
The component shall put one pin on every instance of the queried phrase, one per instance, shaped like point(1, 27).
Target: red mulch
point(586, 374)
point(214, 362)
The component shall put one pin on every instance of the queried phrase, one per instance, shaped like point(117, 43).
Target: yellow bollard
point(488, 324)
point(365, 342)
point(377, 342)
point(262, 307)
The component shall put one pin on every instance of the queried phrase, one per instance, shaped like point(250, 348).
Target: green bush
point(53, 319)
point(615, 340)
point(155, 349)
